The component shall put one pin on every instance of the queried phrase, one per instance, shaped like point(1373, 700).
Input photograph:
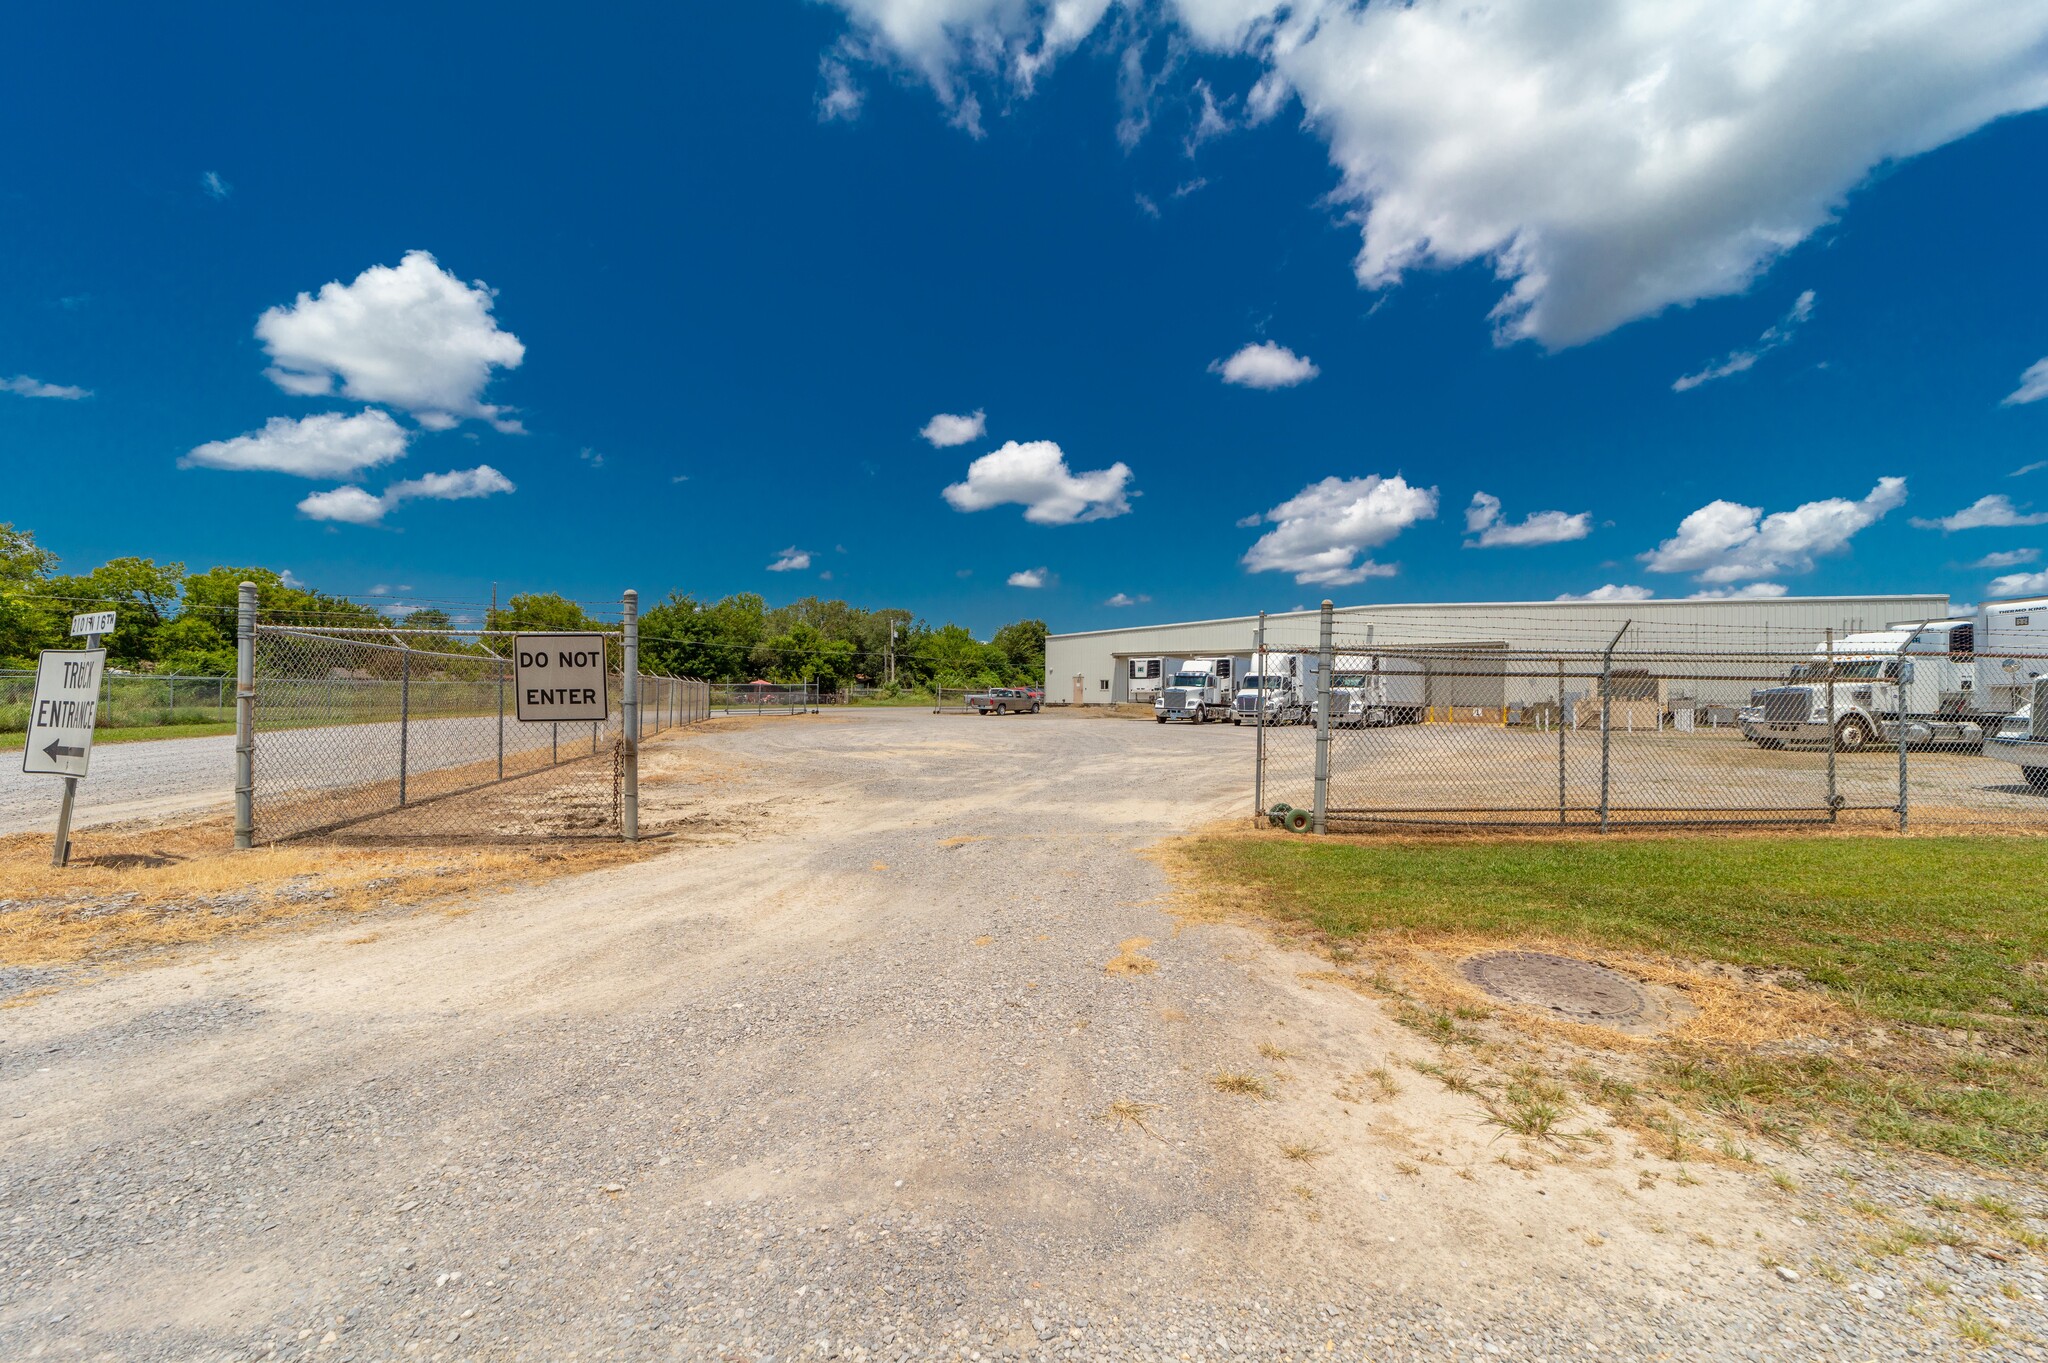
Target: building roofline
point(1651, 603)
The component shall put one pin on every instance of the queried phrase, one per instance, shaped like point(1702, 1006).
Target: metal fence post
point(1607, 719)
point(1901, 664)
point(1560, 744)
point(1259, 739)
point(629, 795)
point(500, 670)
point(1325, 656)
point(404, 718)
point(245, 716)
point(1832, 802)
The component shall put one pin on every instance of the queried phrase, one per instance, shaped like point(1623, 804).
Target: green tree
point(538, 611)
point(142, 593)
point(1023, 645)
point(26, 623)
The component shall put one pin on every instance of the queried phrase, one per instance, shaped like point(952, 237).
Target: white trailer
point(1949, 682)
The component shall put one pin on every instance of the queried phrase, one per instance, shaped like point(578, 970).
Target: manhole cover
point(1578, 989)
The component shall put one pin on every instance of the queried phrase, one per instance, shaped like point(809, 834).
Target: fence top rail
point(1478, 653)
point(451, 631)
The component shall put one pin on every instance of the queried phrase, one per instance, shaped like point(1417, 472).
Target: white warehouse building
point(1113, 666)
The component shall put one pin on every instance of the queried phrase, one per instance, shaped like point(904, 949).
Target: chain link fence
point(130, 700)
point(351, 735)
point(1894, 729)
point(765, 698)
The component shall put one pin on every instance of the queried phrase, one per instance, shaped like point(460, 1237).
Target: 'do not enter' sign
point(558, 677)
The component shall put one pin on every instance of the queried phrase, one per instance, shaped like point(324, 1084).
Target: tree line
point(172, 621)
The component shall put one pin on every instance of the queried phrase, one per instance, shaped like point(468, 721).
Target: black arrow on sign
point(57, 750)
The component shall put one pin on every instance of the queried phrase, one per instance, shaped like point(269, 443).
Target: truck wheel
point(2037, 777)
point(1851, 735)
point(1160, 718)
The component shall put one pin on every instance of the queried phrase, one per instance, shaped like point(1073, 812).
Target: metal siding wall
point(1803, 620)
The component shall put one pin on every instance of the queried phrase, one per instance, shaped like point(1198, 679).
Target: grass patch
point(143, 733)
point(1940, 939)
point(1238, 1082)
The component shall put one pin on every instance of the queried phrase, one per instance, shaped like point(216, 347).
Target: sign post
point(60, 722)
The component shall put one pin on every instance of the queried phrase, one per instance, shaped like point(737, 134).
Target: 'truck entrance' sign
point(559, 677)
point(60, 720)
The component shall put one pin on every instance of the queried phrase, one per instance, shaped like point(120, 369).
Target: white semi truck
point(1945, 682)
point(1367, 690)
point(2023, 738)
point(1281, 683)
point(1376, 690)
point(1199, 690)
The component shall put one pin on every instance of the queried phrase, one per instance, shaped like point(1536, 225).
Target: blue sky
point(737, 257)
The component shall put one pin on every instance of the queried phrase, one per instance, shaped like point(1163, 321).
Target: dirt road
point(856, 1083)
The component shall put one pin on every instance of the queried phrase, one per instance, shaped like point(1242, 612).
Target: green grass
point(139, 734)
point(1933, 932)
point(1930, 930)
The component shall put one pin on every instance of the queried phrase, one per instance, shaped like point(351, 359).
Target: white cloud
point(1777, 334)
point(679, 478)
point(1482, 518)
point(591, 457)
point(951, 43)
point(1265, 365)
point(2033, 386)
point(1126, 599)
point(329, 445)
point(1035, 475)
point(460, 485)
point(286, 578)
point(2024, 469)
point(2009, 558)
point(410, 336)
point(1751, 591)
point(1726, 542)
point(1321, 531)
point(215, 187)
point(2020, 584)
point(351, 505)
point(1028, 577)
point(1610, 592)
point(842, 99)
point(945, 430)
point(24, 386)
point(791, 560)
point(1993, 512)
point(1609, 161)
point(1251, 522)
point(357, 507)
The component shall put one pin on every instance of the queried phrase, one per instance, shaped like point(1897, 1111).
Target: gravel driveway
point(856, 1085)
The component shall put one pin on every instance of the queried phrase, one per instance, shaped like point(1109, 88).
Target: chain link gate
point(372, 734)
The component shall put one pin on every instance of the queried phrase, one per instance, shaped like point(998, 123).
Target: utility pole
point(891, 654)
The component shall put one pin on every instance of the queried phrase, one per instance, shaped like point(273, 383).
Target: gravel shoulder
point(854, 1081)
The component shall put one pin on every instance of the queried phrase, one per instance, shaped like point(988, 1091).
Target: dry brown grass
point(1127, 961)
point(133, 888)
point(1238, 1082)
point(1125, 1112)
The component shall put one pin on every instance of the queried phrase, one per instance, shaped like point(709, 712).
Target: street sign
point(60, 718)
point(94, 622)
point(559, 677)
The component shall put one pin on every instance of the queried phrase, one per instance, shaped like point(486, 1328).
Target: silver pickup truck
point(1003, 700)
